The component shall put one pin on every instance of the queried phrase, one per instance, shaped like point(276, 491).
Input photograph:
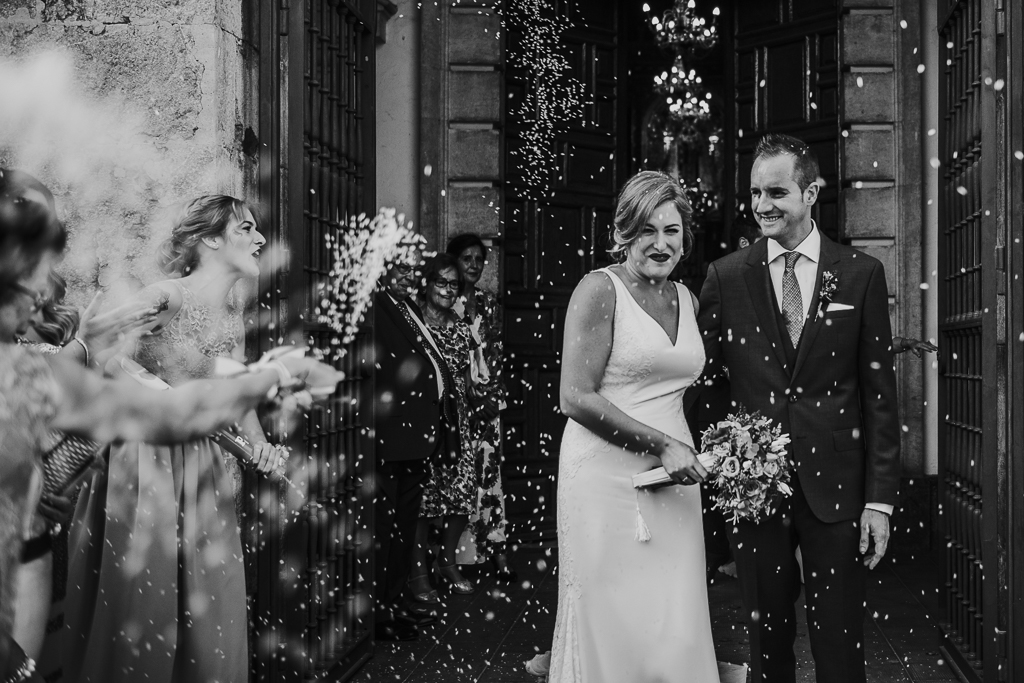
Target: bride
point(632, 600)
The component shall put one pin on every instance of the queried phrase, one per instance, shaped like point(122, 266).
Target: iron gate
point(972, 449)
point(313, 605)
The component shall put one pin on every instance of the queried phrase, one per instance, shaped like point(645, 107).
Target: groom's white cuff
point(879, 507)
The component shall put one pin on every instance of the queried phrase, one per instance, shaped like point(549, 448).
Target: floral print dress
point(485, 534)
point(451, 489)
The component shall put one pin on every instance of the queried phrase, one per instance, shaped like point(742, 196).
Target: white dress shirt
point(806, 271)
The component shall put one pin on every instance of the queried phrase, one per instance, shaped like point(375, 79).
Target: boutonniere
point(829, 284)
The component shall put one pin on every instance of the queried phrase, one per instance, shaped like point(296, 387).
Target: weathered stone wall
point(145, 105)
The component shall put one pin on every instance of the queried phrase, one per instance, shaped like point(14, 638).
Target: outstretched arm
point(110, 410)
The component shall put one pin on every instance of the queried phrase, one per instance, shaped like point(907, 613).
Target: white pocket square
point(839, 307)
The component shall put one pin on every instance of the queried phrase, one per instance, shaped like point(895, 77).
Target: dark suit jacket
point(408, 417)
point(838, 401)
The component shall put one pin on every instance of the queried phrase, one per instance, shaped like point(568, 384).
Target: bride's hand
point(681, 463)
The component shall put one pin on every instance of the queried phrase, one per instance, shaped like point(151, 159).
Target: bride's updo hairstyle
point(640, 196)
point(205, 216)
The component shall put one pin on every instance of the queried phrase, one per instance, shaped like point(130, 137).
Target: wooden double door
point(550, 243)
point(981, 333)
point(782, 57)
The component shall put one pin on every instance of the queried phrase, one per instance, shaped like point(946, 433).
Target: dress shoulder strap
point(620, 286)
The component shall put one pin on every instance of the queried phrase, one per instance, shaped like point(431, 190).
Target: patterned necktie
point(439, 360)
point(792, 302)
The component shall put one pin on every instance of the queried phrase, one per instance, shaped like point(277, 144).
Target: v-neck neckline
point(679, 312)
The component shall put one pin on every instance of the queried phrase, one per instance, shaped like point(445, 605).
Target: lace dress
point(485, 534)
point(629, 610)
point(452, 489)
point(156, 585)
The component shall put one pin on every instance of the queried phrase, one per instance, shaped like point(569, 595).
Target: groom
point(802, 326)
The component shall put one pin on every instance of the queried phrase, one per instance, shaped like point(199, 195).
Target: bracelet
point(85, 348)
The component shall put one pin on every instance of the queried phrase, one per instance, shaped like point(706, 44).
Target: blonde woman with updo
point(156, 586)
point(632, 599)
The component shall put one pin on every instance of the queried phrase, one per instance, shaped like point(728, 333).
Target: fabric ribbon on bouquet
point(655, 479)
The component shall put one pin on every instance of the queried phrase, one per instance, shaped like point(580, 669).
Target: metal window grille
point(337, 513)
point(313, 605)
point(966, 461)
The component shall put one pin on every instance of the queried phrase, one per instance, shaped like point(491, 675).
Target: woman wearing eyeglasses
point(449, 496)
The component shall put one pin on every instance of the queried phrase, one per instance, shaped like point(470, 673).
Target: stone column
point(462, 103)
point(880, 175)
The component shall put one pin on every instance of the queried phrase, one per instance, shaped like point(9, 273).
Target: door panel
point(311, 611)
point(972, 407)
point(785, 96)
point(786, 80)
point(550, 245)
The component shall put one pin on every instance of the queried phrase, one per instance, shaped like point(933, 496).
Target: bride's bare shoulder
point(596, 289)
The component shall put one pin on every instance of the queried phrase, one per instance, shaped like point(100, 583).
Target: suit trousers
point(399, 488)
point(834, 581)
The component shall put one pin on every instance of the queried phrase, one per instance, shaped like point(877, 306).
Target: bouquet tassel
point(643, 534)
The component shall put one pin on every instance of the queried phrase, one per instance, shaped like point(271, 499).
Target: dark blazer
point(838, 400)
point(408, 417)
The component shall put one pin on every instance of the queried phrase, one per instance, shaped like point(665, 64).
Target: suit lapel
point(759, 283)
point(400, 322)
point(827, 259)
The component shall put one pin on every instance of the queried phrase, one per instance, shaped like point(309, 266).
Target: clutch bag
point(67, 462)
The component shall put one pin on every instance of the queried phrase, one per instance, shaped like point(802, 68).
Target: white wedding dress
point(630, 610)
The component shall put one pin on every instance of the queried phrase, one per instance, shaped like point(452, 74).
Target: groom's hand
point(874, 525)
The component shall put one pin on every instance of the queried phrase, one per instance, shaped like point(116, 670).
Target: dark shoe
point(502, 572)
point(429, 598)
point(453, 579)
point(419, 608)
point(395, 631)
point(414, 618)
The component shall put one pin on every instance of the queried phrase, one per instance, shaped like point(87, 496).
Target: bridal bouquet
point(749, 467)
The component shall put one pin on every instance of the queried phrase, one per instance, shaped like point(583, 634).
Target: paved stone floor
point(487, 637)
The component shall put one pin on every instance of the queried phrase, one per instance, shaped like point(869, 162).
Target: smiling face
point(242, 243)
point(443, 289)
point(400, 280)
point(471, 263)
point(783, 211)
point(660, 246)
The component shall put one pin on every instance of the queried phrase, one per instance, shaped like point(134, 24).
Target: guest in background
point(450, 492)
point(484, 538)
point(745, 233)
point(159, 527)
point(44, 559)
point(42, 578)
point(415, 422)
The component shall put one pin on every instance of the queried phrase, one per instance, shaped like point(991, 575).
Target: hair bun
point(171, 257)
